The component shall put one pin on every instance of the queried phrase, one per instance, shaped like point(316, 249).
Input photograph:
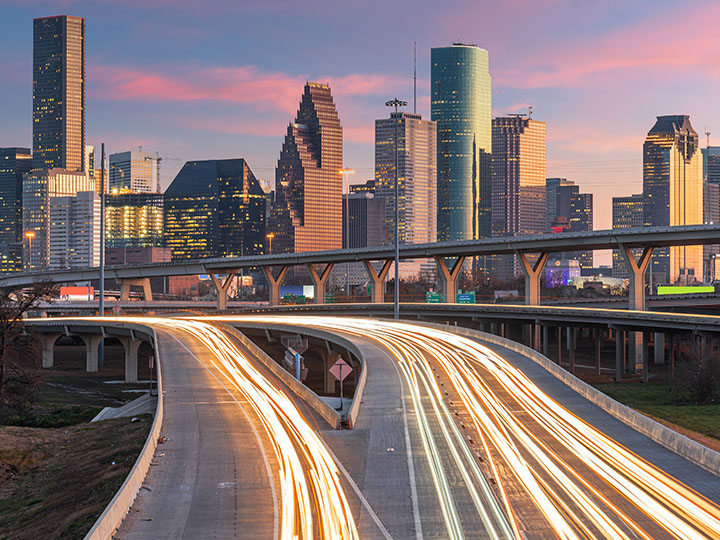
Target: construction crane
point(157, 160)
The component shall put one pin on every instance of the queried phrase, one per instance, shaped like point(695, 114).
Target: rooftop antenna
point(529, 112)
point(414, 77)
point(707, 134)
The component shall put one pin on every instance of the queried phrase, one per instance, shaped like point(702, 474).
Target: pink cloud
point(652, 44)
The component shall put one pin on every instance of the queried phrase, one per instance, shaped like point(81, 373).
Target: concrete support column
point(92, 343)
point(532, 277)
point(598, 342)
point(659, 348)
point(126, 283)
point(494, 328)
point(572, 338)
point(636, 296)
point(558, 331)
point(222, 287)
point(48, 348)
point(131, 359)
point(671, 356)
point(645, 348)
point(545, 340)
point(378, 279)
point(619, 354)
point(274, 283)
point(449, 277)
point(320, 280)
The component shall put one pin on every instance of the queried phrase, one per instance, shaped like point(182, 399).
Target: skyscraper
point(571, 211)
point(59, 93)
point(14, 162)
point(672, 193)
point(417, 176)
point(132, 171)
point(39, 188)
point(133, 219)
point(518, 181)
point(461, 107)
point(627, 212)
point(74, 233)
point(366, 228)
point(307, 213)
point(551, 188)
point(711, 164)
point(214, 208)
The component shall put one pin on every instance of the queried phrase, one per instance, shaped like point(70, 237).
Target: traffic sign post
point(340, 370)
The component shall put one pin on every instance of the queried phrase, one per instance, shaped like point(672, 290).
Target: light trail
point(313, 502)
point(581, 482)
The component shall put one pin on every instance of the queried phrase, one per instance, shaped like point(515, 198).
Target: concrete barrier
point(113, 515)
point(672, 440)
point(327, 412)
point(326, 335)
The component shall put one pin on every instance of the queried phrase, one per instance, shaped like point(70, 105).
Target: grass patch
point(55, 482)
point(662, 401)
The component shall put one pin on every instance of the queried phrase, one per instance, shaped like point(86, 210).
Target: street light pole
point(101, 300)
point(345, 173)
point(396, 103)
point(29, 235)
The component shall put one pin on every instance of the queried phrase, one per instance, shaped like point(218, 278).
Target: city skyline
point(597, 111)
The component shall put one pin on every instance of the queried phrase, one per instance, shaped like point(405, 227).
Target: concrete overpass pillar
point(274, 283)
point(131, 359)
point(558, 331)
point(320, 280)
point(659, 348)
point(532, 276)
point(619, 354)
point(126, 283)
point(378, 279)
point(222, 289)
point(92, 343)
point(636, 297)
point(572, 338)
point(597, 334)
point(48, 349)
point(449, 277)
point(545, 340)
point(671, 356)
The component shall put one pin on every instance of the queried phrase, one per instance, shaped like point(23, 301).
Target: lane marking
point(276, 511)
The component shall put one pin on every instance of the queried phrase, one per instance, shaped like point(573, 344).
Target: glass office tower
point(673, 193)
point(14, 163)
point(461, 107)
point(214, 208)
point(307, 213)
point(59, 93)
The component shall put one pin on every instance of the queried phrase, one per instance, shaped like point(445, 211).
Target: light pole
point(345, 173)
point(270, 236)
point(396, 103)
point(101, 299)
point(29, 235)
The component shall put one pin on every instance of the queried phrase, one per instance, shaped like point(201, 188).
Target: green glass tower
point(461, 107)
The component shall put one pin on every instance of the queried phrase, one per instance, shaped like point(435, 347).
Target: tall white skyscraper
point(132, 171)
point(74, 234)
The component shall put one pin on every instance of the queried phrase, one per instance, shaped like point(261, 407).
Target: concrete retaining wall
point(328, 413)
point(113, 515)
point(672, 440)
point(320, 334)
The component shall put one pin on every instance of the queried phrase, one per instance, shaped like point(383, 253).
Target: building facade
point(518, 183)
point(14, 163)
point(551, 187)
point(366, 228)
point(74, 232)
point(461, 107)
point(673, 194)
point(132, 171)
point(627, 213)
point(307, 211)
point(133, 220)
point(39, 187)
point(572, 212)
point(214, 208)
point(417, 176)
point(59, 93)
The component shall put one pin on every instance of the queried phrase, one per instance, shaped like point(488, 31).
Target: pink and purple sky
point(220, 79)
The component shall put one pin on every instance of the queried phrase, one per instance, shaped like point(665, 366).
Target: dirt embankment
point(54, 483)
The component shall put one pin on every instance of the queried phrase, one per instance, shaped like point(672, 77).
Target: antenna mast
point(707, 134)
point(414, 77)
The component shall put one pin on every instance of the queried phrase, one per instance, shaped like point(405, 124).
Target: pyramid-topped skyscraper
point(307, 211)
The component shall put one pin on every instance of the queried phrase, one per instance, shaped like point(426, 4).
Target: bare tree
point(15, 378)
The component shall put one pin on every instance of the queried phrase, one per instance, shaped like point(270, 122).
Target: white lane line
point(411, 463)
point(360, 495)
point(276, 525)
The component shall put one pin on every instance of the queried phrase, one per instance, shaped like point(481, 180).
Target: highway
point(506, 459)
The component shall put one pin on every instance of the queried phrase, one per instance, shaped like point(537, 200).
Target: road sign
point(433, 297)
point(465, 298)
point(340, 370)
